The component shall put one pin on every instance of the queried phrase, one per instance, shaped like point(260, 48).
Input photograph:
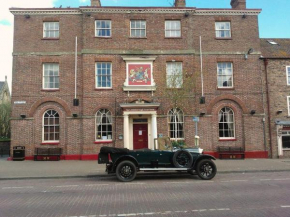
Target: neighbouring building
point(4, 92)
point(276, 67)
point(121, 93)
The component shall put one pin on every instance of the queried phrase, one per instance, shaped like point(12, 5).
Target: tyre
point(206, 169)
point(126, 171)
point(182, 159)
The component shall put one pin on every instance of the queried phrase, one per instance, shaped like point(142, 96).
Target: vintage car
point(126, 163)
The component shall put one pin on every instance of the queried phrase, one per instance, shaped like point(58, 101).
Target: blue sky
point(274, 21)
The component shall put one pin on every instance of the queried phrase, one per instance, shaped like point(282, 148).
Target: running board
point(164, 169)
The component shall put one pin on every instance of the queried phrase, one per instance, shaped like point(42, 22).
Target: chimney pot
point(238, 4)
point(180, 3)
point(96, 3)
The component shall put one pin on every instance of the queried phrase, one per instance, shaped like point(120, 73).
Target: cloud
point(82, 1)
point(5, 22)
point(6, 29)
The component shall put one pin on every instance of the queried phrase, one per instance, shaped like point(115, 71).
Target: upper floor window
point(226, 123)
point(225, 75)
point(103, 125)
point(103, 75)
point(175, 121)
point(50, 76)
point(51, 30)
point(174, 77)
point(103, 28)
point(138, 28)
point(172, 28)
point(288, 74)
point(223, 29)
point(51, 126)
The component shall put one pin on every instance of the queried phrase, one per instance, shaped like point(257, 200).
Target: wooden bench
point(48, 154)
point(226, 152)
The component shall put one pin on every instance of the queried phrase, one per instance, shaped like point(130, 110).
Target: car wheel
point(126, 171)
point(206, 169)
point(182, 159)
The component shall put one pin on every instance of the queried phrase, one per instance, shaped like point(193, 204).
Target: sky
point(273, 21)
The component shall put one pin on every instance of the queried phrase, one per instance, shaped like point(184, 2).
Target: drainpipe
point(268, 105)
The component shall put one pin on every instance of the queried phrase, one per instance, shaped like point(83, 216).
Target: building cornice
point(131, 10)
point(50, 11)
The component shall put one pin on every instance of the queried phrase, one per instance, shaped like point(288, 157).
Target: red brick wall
point(78, 135)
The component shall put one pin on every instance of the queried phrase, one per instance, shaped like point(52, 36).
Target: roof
point(280, 48)
point(1, 84)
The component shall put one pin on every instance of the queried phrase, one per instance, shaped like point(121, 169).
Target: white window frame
point(224, 74)
point(218, 30)
point(170, 66)
point(102, 112)
point(288, 105)
point(175, 112)
point(54, 30)
point(285, 133)
point(48, 125)
point(136, 29)
point(96, 29)
point(288, 75)
point(170, 30)
point(233, 123)
point(103, 75)
point(55, 76)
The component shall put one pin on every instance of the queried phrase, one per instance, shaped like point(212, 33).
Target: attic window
point(272, 42)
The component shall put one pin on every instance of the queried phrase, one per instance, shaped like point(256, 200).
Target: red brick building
point(276, 67)
point(126, 57)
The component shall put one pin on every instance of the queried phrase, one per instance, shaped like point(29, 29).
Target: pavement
point(74, 169)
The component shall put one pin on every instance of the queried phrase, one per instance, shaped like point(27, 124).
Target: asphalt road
point(249, 194)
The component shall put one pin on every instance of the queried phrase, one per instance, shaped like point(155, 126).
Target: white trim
point(287, 68)
point(288, 101)
point(96, 76)
point(50, 141)
point(234, 124)
point(103, 36)
point(138, 28)
point(107, 10)
point(96, 130)
point(232, 67)
point(43, 86)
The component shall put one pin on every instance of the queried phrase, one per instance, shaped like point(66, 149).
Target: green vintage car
point(126, 163)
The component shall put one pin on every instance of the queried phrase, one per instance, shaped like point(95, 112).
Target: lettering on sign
point(19, 102)
point(139, 110)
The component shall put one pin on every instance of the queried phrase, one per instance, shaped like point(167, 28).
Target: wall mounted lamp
point(23, 116)
point(279, 112)
point(253, 112)
point(75, 115)
point(27, 16)
point(202, 114)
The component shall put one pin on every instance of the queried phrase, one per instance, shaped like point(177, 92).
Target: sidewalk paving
point(65, 169)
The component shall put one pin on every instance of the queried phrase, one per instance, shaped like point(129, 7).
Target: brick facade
point(275, 61)
point(77, 134)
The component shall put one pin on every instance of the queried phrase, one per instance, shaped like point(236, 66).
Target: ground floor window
point(286, 140)
point(103, 125)
point(175, 121)
point(51, 126)
point(226, 123)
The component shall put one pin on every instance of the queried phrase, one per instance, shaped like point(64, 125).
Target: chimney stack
point(96, 3)
point(238, 4)
point(179, 3)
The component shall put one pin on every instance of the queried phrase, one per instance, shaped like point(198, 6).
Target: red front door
point(140, 136)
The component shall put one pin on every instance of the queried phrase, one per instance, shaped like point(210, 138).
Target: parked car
point(126, 163)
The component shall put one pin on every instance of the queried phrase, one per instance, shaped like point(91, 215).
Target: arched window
point(51, 126)
point(226, 123)
point(103, 125)
point(175, 121)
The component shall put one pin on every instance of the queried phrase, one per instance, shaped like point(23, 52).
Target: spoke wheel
point(182, 159)
point(126, 171)
point(206, 169)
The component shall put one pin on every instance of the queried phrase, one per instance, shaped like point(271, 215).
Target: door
point(140, 136)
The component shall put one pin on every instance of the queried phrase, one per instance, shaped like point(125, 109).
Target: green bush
point(178, 144)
